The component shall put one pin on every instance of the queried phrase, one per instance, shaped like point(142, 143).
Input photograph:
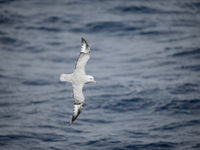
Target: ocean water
point(145, 57)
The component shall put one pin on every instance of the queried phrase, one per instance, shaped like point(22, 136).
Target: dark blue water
point(145, 56)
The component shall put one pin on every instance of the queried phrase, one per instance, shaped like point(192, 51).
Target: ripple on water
point(112, 27)
point(126, 105)
point(178, 125)
point(181, 106)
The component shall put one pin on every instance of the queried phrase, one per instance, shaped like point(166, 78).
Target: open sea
point(145, 57)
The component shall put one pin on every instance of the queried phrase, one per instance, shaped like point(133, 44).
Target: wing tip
point(83, 40)
point(85, 47)
point(77, 110)
point(70, 123)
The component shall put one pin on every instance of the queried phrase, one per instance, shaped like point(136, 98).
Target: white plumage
point(78, 78)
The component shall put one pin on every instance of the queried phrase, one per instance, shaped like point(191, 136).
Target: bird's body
point(78, 78)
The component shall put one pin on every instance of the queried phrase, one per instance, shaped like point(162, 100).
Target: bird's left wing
point(83, 57)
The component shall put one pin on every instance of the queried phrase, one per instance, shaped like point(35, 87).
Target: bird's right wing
point(78, 101)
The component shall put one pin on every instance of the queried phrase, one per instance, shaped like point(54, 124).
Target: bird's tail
point(66, 77)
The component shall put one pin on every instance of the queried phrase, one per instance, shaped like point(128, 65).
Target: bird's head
point(90, 79)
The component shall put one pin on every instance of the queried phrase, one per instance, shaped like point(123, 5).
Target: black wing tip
point(75, 117)
point(70, 123)
point(84, 41)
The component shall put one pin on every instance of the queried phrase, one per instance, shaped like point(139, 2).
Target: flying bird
point(78, 78)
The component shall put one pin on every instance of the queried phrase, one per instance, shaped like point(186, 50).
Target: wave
point(154, 145)
point(6, 1)
point(106, 26)
point(185, 88)
point(158, 33)
point(36, 82)
point(11, 42)
point(125, 105)
point(43, 28)
point(56, 19)
point(188, 52)
point(144, 10)
point(8, 40)
point(136, 9)
point(178, 125)
point(195, 68)
point(181, 106)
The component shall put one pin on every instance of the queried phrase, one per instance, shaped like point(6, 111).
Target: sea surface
point(145, 57)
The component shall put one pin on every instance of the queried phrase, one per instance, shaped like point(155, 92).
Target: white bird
point(78, 78)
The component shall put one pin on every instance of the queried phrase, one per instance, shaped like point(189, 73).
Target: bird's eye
point(90, 78)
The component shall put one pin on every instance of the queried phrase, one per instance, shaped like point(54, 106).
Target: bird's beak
point(95, 81)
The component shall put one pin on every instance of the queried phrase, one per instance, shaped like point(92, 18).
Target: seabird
point(78, 78)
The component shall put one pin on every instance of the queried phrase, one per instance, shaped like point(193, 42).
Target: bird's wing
point(78, 101)
point(83, 57)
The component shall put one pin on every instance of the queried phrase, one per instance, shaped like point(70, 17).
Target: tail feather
point(65, 77)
